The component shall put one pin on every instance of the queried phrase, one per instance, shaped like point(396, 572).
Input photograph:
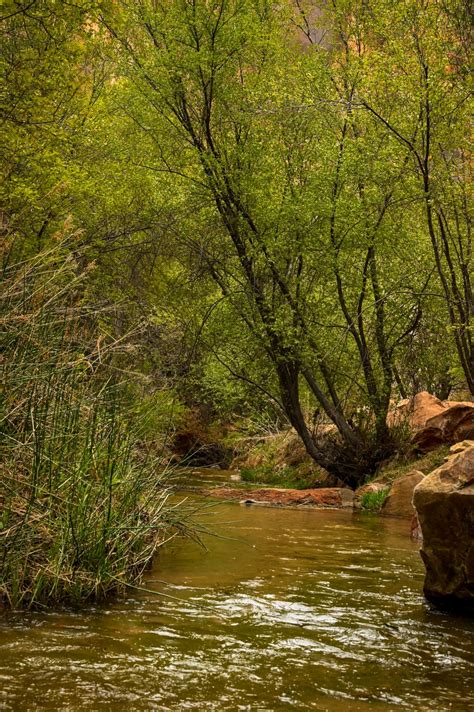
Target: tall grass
point(373, 501)
point(82, 509)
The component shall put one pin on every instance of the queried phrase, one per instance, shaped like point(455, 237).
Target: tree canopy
point(277, 194)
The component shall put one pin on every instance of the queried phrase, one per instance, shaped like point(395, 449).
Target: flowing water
point(288, 610)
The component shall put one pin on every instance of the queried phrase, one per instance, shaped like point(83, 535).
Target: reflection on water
point(202, 478)
point(290, 609)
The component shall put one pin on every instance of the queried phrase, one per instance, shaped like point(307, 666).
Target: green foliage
point(83, 509)
point(46, 95)
point(298, 219)
point(284, 230)
point(373, 501)
point(275, 457)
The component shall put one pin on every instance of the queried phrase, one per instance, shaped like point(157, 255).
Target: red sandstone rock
point(417, 410)
point(444, 501)
point(415, 529)
point(399, 502)
point(455, 423)
point(324, 497)
point(435, 421)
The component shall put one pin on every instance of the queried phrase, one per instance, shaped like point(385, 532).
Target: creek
point(286, 609)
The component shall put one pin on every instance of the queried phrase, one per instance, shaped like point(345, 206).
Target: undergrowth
point(424, 462)
point(373, 501)
point(82, 509)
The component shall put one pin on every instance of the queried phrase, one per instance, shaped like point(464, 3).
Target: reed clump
point(82, 508)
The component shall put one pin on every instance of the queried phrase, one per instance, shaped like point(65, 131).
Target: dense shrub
point(82, 508)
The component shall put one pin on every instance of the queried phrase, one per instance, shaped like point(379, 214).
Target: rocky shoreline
point(438, 508)
point(433, 492)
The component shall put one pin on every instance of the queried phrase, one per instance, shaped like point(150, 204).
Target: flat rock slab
point(325, 497)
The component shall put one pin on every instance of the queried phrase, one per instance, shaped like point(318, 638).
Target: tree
point(268, 201)
point(423, 49)
point(291, 214)
point(49, 89)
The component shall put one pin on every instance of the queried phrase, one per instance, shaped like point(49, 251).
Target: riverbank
point(234, 485)
point(275, 469)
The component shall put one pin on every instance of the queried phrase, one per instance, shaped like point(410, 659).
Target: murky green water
point(316, 610)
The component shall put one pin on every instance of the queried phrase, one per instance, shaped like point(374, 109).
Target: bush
point(82, 509)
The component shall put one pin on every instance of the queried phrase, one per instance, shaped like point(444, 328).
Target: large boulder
point(444, 501)
point(433, 421)
point(416, 411)
point(455, 423)
point(399, 502)
point(459, 447)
